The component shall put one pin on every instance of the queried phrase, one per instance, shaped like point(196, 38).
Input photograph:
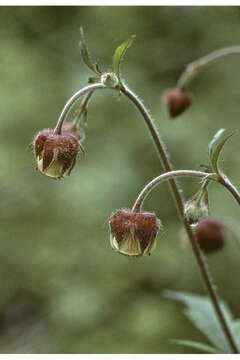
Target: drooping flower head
point(209, 235)
point(177, 101)
point(133, 233)
point(56, 154)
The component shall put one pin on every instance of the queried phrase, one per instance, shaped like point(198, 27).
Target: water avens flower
point(209, 235)
point(133, 233)
point(177, 101)
point(56, 154)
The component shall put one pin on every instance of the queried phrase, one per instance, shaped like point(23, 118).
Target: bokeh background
point(63, 290)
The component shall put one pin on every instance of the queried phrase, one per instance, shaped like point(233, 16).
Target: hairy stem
point(196, 65)
point(161, 149)
point(174, 186)
point(228, 185)
point(72, 100)
point(160, 179)
point(83, 107)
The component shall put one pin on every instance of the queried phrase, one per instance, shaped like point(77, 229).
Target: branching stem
point(161, 150)
point(83, 107)
point(160, 179)
point(71, 102)
point(197, 65)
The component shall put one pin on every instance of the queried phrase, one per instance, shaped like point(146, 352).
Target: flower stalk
point(161, 148)
point(162, 152)
point(195, 66)
point(72, 101)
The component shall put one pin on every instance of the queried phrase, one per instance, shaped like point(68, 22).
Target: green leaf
point(200, 311)
point(215, 146)
point(197, 345)
point(236, 331)
point(119, 53)
point(85, 54)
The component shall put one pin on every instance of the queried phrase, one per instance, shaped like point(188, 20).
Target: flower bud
point(195, 211)
point(177, 101)
point(133, 233)
point(109, 79)
point(56, 154)
point(209, 235)
point(197, 208)
point(69, 128)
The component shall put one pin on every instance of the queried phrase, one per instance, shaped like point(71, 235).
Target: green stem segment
point(196, 65)
point(161, 149)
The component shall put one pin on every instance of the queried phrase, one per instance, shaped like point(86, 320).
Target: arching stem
point(71, 102)
point(197, 65)
point(83, 107)
point(160, 179)
point(161, 149)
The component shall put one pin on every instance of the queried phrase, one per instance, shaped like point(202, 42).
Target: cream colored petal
point(54, 170)
point(151, 246)
point(130, 245)
point(113, 242)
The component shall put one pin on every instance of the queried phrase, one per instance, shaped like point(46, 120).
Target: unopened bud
point(194, 212)
point(177, 101)
point(133, 233)
point(109, 79)
point(197, 208)
point(55, 154)
point(209, 235)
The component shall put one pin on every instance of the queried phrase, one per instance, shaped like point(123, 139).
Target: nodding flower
point(177, 101)
point(209, 235)
point(56, 154)
point(133, 233)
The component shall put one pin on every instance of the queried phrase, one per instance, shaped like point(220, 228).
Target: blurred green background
point(63, 290)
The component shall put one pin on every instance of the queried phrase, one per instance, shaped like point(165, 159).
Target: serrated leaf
point(197, 345)
point(201, 313)
point(85, 54)
point(215, 147)
point(119, 53)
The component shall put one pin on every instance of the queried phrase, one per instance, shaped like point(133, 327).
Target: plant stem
point(160, 179)
point(161, 149)
point(180, 204)
point(83, 107)
point(196, 65)
point(228, 185)
point(72, 100)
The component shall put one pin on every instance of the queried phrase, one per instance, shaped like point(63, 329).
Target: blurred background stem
point(195, 66)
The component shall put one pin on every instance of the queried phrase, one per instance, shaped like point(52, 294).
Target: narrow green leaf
point(216, 145)
point(197, 345)
point(200, 312)
point(85, 54)
point(212, 143)
point(119, 53)
point(236, 331)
